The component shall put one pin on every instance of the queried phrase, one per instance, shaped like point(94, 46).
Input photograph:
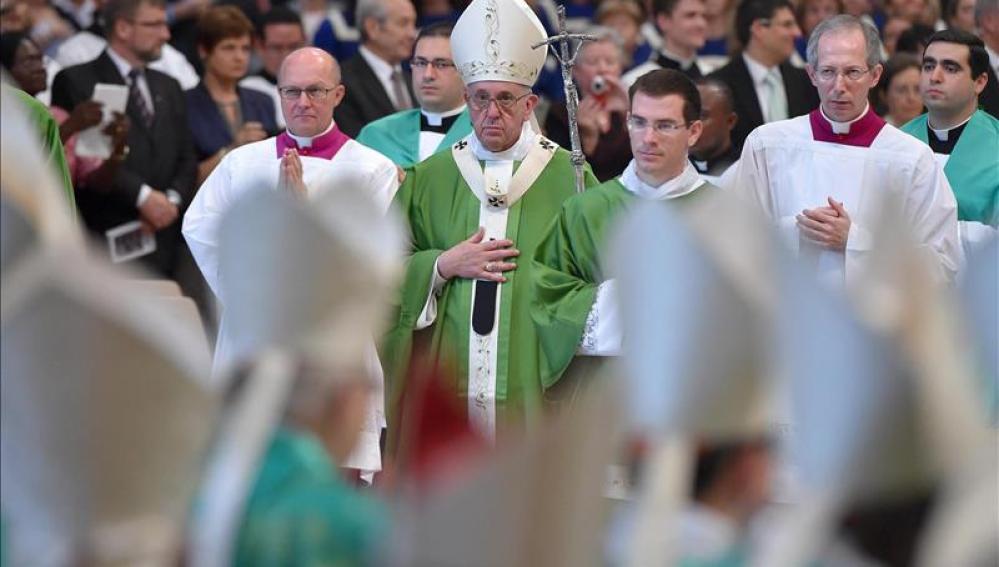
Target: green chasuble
point(48, 132)
point(301, 513)
point(973, 167)
point(397, 136)
point(442, 211)
point(568, 269)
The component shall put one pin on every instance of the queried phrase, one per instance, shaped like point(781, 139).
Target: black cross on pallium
point(545, 144)
point(462, 144)
point(497, 201)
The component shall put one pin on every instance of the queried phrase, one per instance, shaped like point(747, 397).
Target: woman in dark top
point(223, 115)
point(603, 106)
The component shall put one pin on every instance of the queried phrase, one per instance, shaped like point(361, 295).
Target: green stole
point(397, 136)
point(442, 211)
point(972, 168)
point(568, 269)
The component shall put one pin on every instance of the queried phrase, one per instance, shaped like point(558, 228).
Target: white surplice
point(255, 167)
point(785, 170)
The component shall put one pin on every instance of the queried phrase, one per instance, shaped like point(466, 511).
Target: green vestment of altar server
point(301, 513)
point(442, 211)
point(397, 136)
point(48, 134)
point(973, 167)
point(568, 269)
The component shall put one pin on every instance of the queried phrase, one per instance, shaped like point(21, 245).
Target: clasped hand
point(475, 259)
point(828, 227)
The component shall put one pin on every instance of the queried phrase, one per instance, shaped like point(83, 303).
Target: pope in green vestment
point(568, 267)
point(301, 512)
point(973, 166)
point(442, 211)
point(397, 136)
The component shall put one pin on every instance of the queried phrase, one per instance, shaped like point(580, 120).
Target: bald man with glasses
point(310, 156)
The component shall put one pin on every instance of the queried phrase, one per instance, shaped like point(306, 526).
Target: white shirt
point(260, 84)
point(759, 73)
point(383, 70)
point(785, 170)
point(993, 59)
point(430, 141)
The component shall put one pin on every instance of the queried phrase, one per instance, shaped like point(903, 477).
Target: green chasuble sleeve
point(567, 272)
point(442, 211)
point(972, 168)
point(48, 133)
point(300, 513)
point(568, 268)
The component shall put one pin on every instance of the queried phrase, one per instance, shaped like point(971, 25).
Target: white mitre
point(492, 42)
point(105, 418)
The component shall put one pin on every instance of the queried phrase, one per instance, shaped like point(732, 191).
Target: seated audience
point(603, 106)
point(898, 91)
point(22, 58)
point(279, 33)
point(223, 115)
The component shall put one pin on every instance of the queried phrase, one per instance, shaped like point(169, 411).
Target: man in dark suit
point(766, 87)
point(376, 83)
point(156, 177)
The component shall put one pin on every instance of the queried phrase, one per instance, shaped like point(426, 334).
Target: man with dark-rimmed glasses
point(411, 136)
point(823, 178)
point(573, 300)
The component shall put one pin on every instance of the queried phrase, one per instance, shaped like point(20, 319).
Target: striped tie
point(137, 100)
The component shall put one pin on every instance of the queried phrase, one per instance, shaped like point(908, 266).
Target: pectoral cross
point(567, 59)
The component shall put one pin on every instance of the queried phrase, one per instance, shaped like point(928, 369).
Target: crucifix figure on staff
point(568, 61)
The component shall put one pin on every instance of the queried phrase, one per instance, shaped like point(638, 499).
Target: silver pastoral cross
point(571, 97)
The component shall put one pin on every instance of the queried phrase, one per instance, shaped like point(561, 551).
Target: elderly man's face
point(310, 89)
point(842, 75)
point(498, 110)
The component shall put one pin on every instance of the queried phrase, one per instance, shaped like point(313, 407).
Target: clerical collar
point(323, 146)
point(439, 122)
point(719, 162)
point(681, 185)
point(669, 60)
point(859, 132)
point(516, 152)
point(942, 141)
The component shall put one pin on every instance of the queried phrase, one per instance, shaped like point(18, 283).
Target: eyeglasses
point(638, 124)
point(150, 25)
point(315, 94)
point(829, 74)
point(505, 101)
point(439, 64)
point(282, 47)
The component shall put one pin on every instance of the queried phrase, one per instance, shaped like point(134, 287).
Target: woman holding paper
point(223, 115)
point(23, 60)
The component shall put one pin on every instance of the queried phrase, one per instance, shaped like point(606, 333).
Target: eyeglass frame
point(438, 63)
point(844, 73)
point(505, 106)
point(660, 127)
point(312, 93)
